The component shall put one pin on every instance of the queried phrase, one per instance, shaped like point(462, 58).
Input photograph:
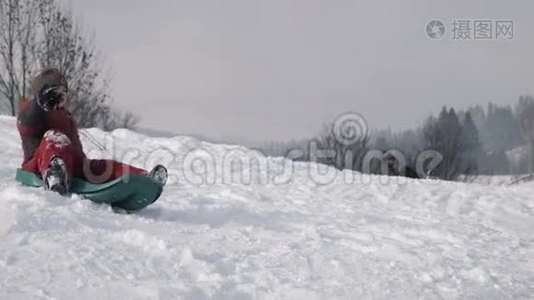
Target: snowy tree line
point(497, 139)
point(37, 34)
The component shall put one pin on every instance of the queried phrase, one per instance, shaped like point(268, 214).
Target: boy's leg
point(104, 170)
point(53, 144)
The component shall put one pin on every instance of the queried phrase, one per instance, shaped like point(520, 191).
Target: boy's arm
point(31, 124)
point(31, 113)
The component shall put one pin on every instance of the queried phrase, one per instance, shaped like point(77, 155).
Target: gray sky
point(277, 69)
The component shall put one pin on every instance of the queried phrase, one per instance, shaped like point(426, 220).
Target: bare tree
point(443, 135)
point(67, 47)
point(10, 18)
point(339, 154)
point(470, 148)
point(120, 120)
point(27, 38)
point(36, 34)
point(8, 12)
point(17, 49)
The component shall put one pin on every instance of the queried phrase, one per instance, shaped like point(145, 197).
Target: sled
point(129, 192)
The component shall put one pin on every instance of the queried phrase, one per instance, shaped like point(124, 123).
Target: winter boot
point(56, 177)
point(159, 174)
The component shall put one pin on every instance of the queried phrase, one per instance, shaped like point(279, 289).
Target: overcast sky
point(278, 69)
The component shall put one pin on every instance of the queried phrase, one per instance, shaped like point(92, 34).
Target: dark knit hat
point(48, 77)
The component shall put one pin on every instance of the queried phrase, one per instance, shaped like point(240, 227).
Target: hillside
point(281, 235)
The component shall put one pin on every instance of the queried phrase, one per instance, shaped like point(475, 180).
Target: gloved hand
point(51, 98)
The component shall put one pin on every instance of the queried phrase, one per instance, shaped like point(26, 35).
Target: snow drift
point(226, 230)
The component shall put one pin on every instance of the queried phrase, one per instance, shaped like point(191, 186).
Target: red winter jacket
point(33, 122)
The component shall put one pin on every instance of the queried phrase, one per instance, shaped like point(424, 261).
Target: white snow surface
point(276, 237)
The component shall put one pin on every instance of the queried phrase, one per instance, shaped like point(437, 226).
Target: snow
point(302, 233)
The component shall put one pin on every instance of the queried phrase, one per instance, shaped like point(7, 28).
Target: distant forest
point(490, 140)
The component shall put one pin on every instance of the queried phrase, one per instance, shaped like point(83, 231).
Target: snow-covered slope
point(283, 235)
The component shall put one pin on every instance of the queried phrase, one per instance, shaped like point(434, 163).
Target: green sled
point(129, 192)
